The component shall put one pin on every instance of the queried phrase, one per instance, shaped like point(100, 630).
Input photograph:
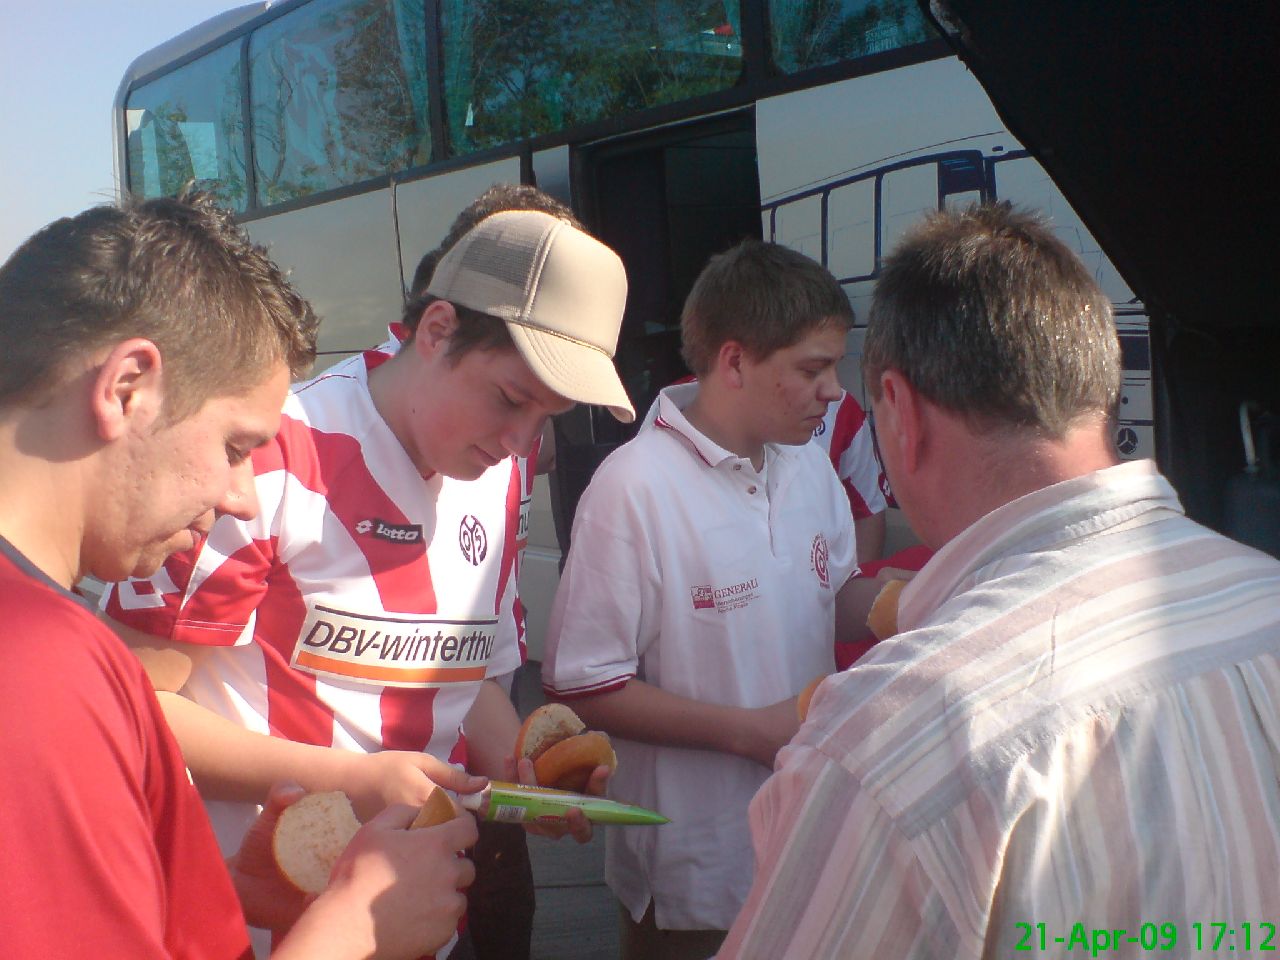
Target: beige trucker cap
point(560, 291)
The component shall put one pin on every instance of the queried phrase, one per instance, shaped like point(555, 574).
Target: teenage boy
point(371, 601)
point(699, 595)
point(144, 352)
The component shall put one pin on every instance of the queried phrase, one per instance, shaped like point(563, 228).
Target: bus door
point(666, 200)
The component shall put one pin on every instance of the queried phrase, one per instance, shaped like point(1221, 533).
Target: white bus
point(348, 133)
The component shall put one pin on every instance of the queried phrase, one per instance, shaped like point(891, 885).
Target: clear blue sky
point(60, 64)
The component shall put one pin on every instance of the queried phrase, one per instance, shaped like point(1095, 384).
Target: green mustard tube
point(515, 803)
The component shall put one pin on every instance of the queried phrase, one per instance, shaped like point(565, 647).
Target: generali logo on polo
point(392, 532)
point(723, 599)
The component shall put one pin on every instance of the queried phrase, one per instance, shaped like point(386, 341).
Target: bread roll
point(309, 837)
point(563, 751)
point(311, 834)
point(882, 618)
point(806, 695)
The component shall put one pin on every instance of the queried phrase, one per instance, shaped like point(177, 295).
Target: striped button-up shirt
point(1075, 738)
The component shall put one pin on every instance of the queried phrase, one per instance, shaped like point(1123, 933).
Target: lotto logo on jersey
point(395, 532)
point(394, 651)
point(473, 540)
point(820, 556)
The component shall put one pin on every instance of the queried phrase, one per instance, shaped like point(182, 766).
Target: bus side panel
point(342, 257)
point(426, 208)
point(846, 168)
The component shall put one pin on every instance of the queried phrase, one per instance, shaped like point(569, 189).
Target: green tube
point(515, 803)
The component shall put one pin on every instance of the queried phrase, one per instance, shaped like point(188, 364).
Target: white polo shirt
point(693, 572)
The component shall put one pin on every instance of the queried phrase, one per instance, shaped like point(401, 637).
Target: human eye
point(235, 455)
point(507, 400)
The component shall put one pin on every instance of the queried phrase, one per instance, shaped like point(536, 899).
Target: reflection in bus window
point(810, 33)
point(519, 68)
point(851, 250)
point(1022, 180)
point(339, 93)
point(906, 196)
point(188, 125)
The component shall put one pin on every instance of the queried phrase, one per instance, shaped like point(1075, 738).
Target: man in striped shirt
point(1072, 743)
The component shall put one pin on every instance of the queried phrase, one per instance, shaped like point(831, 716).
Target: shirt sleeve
point(853, 454)
point(834, 876)
point(80, 864)
point(607, 605)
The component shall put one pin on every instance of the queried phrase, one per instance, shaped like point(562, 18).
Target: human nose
point(241, 498)
point(521, 434)
point(829, 388)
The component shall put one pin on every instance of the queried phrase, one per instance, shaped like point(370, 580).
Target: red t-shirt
point(105, 849)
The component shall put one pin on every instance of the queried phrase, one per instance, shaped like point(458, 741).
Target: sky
point(60, 64)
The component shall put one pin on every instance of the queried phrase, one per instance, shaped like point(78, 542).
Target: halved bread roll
point(311, 834)
point(564, 752)
point(882, 618)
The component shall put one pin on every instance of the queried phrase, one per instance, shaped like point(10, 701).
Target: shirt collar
point(1053, 515)
point(667, 413)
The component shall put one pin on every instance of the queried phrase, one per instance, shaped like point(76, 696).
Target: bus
point(347, 134)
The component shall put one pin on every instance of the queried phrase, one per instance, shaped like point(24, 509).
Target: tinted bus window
point(810, 33)
point(339, 92)
point(519, 68)
point(188, 125)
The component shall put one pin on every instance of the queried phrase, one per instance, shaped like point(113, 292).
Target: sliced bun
point(806, 695)
point(568, 765)
point(563, 751)
point(309, 837)
point(550, 723)
point(311, 834)
point(438, 809)
point(882, 618)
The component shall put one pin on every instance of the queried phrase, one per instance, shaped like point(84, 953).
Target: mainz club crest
point(821, 557)
point(473, 540)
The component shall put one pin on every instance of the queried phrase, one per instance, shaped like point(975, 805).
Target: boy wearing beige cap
point(372, 596)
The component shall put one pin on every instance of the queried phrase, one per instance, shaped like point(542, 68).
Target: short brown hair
point(989, 315)
point(477, 331)
point(175, 271)
point(764, 296)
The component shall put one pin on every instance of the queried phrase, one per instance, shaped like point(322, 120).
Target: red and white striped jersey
point(364, 605)
point(845, 433)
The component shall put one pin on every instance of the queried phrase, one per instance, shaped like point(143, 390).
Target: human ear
point(128, 389)
point(898, 418)
point(730, 362)
point(438, 323)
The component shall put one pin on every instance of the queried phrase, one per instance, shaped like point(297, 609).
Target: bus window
point(1021, 179)
point(188, 125)
point(339, 93)
point(851, 247)
point(810, 34)
point(905, 197)
point(517, 68)
point(798, 225)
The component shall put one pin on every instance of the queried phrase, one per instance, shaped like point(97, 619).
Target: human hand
point(770, 729)
point(375, 780)
point(393, 893)
point(267, 899)
point(576, 823)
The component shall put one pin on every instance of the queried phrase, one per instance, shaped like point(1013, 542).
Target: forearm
point(649, 714)
point(491, 728)
point(168, 665)
point(870, 535)
point(229, 762)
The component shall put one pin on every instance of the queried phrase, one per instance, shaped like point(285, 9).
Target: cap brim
point(574, 370)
